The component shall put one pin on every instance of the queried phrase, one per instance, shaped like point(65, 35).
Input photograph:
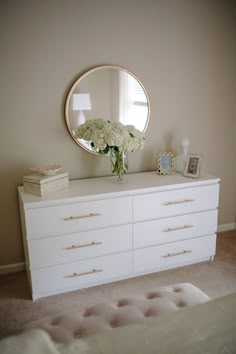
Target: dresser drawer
point(177, 228)
point(174, 254)
point(69, 218)
point(175, 202)
point(75, 247)
point(78, 275)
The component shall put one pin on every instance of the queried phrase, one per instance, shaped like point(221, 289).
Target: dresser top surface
point(104, 187)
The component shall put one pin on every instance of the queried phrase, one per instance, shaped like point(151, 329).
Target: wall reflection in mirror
point(110, 93)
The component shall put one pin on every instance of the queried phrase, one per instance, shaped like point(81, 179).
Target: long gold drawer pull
point(176, 254)
point(179, 202)
point(178, 228)
point(68, 218)
point(84, 273)
point(73, 247)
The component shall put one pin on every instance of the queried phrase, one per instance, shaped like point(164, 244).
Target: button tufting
point(104, 317)
point(122, 303)
point(114, 324)
point(87, 313)
point(55, 322)
point(177, 290)
point(77, 335)
point(152, 296)
point(149, 313)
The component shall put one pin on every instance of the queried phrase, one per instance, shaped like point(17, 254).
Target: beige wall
point(184, 52)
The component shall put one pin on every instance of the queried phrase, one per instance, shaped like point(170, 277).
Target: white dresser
point(97, 231)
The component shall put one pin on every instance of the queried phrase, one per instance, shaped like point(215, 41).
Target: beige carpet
point(216, 278)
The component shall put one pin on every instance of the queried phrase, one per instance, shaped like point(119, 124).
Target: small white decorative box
point(43, 185)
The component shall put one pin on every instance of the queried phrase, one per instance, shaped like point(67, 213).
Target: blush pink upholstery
point(64, 327)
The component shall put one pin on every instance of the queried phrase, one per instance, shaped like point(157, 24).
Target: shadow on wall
point(168, 142)
point(10, 214)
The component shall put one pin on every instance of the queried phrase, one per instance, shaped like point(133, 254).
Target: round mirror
point(107, 92)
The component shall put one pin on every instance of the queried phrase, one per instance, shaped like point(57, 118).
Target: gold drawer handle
point(179, 202)
point(81, 216)
point(73, 247)
point(178, 228)
point(168, 255)
point(84, 273)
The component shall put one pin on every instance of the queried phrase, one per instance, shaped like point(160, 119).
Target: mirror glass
point(107, 92)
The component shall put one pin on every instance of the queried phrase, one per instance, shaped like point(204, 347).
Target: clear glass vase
point(119, 163)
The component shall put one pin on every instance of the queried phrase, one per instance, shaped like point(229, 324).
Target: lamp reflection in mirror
point(80, 102)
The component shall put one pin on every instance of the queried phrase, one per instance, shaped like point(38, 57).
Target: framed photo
point(192, 166)
point(166, 163)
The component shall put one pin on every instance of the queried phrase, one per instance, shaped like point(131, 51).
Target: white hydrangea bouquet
point(112, 137)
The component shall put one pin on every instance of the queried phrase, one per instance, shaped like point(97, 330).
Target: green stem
point(119, 163)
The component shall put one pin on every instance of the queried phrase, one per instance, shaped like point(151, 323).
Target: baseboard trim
point(226, 227)
point(12, 268)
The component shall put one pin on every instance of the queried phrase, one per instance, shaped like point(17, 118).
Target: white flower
point(105, 135)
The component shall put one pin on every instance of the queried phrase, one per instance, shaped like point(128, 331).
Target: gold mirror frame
point(75, 89)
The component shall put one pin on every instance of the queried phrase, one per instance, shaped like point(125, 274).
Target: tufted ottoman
point(64, 327)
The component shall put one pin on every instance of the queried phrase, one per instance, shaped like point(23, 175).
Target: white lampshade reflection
point(80, 102)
